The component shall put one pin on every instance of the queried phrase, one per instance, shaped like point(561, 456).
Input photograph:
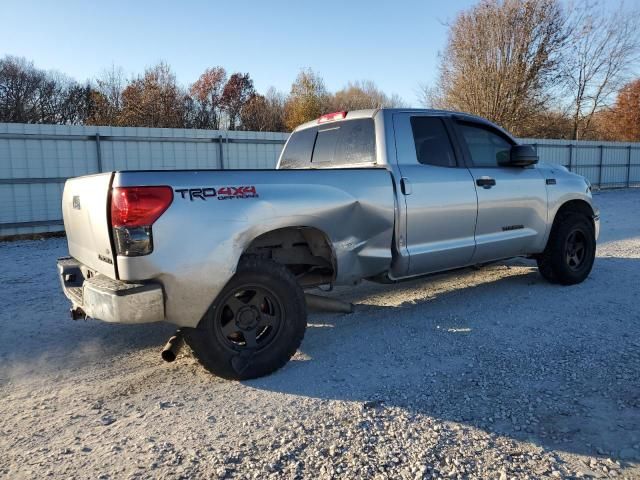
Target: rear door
point(85, 204)
point(512, 201)
point(438, 192)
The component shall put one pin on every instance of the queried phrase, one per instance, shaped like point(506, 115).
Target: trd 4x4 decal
point(237, 192)
point(222, 193)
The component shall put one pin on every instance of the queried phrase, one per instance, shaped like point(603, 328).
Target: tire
point(570, 252)
point(255, 325)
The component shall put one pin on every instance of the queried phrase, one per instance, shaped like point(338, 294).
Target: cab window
point(486, 147)
point(349, 142)
point(433, 146)
point(346, 143)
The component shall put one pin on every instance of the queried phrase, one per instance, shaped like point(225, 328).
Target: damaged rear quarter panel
point(197, 243)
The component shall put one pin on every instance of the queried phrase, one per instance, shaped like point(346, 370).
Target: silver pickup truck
point(383, 195)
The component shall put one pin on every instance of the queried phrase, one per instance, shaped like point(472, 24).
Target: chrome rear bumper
point(103, 298)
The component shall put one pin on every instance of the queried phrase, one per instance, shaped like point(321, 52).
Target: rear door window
point(433, 146)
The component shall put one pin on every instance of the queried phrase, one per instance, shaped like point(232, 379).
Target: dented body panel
point(197, 243)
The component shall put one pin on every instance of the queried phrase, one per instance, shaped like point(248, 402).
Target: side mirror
point(522, 156)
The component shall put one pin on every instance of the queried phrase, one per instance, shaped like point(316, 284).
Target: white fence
point(35, 160)
point(604, 164)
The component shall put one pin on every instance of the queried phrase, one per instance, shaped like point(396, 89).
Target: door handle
point(405, 186)
point(485, 182)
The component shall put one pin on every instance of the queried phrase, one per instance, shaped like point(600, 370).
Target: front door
point(512, 201)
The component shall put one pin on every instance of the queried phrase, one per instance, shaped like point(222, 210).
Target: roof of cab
point(370, 113)
point(351, 115)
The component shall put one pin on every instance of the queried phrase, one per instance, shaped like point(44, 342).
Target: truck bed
point(216, 214)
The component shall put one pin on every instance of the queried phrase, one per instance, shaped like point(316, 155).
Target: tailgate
point(85, 204)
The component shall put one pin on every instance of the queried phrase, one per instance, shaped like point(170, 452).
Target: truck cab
point(466, 192)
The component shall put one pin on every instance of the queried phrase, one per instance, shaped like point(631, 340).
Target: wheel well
point(306, 251)
point(575, 206)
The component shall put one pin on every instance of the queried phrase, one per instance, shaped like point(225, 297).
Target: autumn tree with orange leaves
point(308, 99)
point(153, 100)
point(207, 94)
point(264, 113)
point(236, 93)
point(622, 121)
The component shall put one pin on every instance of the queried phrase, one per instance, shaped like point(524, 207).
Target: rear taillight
point(139, 206)
point(133, 211)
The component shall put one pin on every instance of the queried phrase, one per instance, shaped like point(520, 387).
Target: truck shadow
point(499, 349)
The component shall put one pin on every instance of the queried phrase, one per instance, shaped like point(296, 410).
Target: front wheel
point(255, 325)
point(570, 251)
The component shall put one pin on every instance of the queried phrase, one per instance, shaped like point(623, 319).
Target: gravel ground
point(489, 373)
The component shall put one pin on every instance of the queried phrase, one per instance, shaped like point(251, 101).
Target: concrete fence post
point(570, 156)
point(628, 166)
point(601, 147)
point(99, 153)
point(220, 152)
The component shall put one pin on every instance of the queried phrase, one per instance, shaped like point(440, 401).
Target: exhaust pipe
point(77, 314)
point(172, 348)
point(327, 304)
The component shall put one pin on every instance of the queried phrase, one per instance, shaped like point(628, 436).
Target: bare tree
point(107, 97)
point(207, 95)
point(237, 91)
point(363, 94)
point(264, 113)
point(77, 105)
point(31, 95)
point(20, 82)
point(153, 100)
point(431, 96)
point(603, 45)
point(61, 100)
point(501, 56)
